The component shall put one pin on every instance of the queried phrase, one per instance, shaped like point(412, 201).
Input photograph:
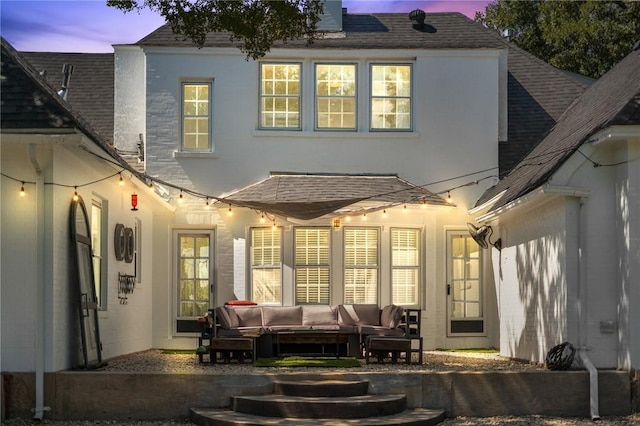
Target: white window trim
point(300, 97)
point(411, 98)
point(250, 269)
point(355, 97)
point(419, 267)
point(103, 204)
point(328, 265)
point(378, 261)
point(189, 153)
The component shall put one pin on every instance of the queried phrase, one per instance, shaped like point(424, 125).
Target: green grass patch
point(178, 351)
point(471, 350)
point(299, 361)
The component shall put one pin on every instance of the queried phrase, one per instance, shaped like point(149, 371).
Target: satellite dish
point(481, 236)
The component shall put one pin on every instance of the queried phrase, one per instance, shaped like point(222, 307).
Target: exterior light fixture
point(336, 223)
point(134, 202)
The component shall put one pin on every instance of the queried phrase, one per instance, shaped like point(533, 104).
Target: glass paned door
point(464, 285)
point(194, 269)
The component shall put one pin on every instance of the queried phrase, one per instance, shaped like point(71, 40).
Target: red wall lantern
point(134, 202)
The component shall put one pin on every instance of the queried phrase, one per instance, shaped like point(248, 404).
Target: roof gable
point(613, 100)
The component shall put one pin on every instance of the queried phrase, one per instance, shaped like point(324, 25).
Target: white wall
point(456, 102)
point(129, 97)
point(569, 267)
point(123, 328)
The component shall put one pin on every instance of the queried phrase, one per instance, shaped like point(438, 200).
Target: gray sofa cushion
point(359, 314)
point(391, 316)
point(248, 317)
point(227, 317)
point(319, 315)
point(281, 315)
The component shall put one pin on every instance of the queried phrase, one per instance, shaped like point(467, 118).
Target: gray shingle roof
point(90, 88)
point(28, 102)
point(369, 31)
point(612, 100)
point(309, 196)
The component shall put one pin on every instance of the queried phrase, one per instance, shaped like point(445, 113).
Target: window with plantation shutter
point(405, 261)
point(312, 270)
point(266, 265)
point(361, 265)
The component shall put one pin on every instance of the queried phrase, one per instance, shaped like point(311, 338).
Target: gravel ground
point(156, 361)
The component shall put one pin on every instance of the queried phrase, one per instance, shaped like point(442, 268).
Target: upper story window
point(280, 96)
point(391, 97)
point(196, 117)
point(335, 97)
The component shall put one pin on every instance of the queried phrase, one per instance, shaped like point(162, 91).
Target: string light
point(75, 193)
point(424, 204)
point(404, 209)
point(206, 204)
point(274, 227)
point(180, 197)
point(449, 199)
point(364, 217)
point(348, 218)
point(384, 213)
point(262, 219)
point(229, 212)
point(121, 182)
point(22, 192)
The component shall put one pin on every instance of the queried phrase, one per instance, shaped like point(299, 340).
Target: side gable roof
point(91, 89)
point(367, 31)
point(28, 102)
point(537, 94)
point(612, 100)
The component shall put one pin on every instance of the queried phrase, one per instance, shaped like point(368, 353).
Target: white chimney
point(331, 17)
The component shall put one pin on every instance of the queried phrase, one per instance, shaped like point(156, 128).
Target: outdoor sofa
point(353, 323)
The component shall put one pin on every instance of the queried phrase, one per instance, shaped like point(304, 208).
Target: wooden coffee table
point(324, 338)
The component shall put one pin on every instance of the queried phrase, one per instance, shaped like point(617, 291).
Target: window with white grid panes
point(335, 97)
point(194, 253)
point(196, 119)
point(266, 265)
point(390, 97)
point(361, 263)
point(465, 274)
point(405, 266)
point(312, 271)
point(280, 96)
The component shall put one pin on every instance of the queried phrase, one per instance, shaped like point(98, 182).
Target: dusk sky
point(91, 26)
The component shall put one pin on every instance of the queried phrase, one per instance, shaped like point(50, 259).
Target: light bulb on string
point(22, 191)
point(121, 181)
point(229, 212)
point(364, 217)
point(262, 219)
point(384, 213)
point(449, 199)
point(180, 197)
point(75, 193)
point(404, 209)
point(206, 204)
point(348, 218)
point(424, 204)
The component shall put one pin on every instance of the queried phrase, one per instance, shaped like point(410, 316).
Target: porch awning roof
point(310, 196)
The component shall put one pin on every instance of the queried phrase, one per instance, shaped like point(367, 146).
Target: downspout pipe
point(39, 344)
point(582, 312)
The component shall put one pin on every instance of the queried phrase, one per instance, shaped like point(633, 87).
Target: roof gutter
point(615, 133)
point(532, 200)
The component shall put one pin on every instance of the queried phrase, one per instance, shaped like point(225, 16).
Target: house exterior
point(49, 155)
point(336, 161)
point(381, 116)
point(569, 221)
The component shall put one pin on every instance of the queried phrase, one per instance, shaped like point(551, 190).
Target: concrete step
point(226, 417)
point(322, 388)
point(320, 407)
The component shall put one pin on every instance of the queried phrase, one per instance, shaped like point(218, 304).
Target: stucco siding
point(533, 285)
